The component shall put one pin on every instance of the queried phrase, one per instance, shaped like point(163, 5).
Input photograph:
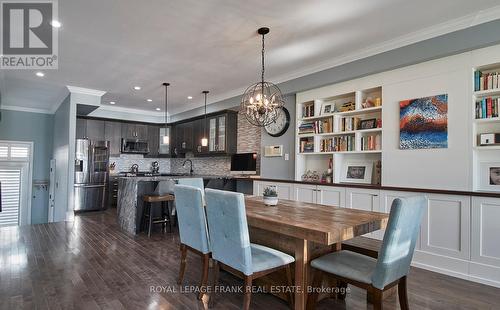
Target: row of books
point(320, 126)
point(337, 144)
point(306, 145)
point(486, 81)
point(349, 123)
point(487, 108)
point(308, 109)
point(370, 143)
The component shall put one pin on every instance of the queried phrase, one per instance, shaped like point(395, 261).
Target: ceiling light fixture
point(112, 102)
point(158, 109)
point(40, 74)
point(137, 87)
point(263, 100)
point(149, 100)
point(55, 23)
point(190, 97)
point(204, 140)
point(166, 138)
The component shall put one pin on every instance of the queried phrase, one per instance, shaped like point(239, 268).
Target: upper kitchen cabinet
point(113, 134)
point(184, 137)
point(222, 133)
point(153, 140)
point(91, 129)
point(134, 131)
point(164, 148)
point(199, 133)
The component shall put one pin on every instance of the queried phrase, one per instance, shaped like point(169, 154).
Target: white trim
point(23, 109)
point(85, 91)
point(131, 110)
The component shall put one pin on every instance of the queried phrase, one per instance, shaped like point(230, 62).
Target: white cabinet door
point(486, 230)
point(445, 228)
point(363, 199)
point(304, 193)
point(331, 196)
point(386, 199)
point(284, 190)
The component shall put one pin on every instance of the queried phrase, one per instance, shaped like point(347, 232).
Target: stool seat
point(158, 198)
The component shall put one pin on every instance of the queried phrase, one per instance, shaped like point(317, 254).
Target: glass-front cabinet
point(212, 137)
point(164, 148)
point(218, 133)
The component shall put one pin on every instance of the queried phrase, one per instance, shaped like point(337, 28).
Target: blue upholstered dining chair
point(195, 182)
point(392, 265)
point(230, 242)
point(193, 230)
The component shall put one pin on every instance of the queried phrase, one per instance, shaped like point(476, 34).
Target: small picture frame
point(357, 172)
point(327, 108)
point(368, 123)
point(489, 176)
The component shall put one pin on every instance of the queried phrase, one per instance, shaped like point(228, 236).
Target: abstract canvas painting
point(423, 123)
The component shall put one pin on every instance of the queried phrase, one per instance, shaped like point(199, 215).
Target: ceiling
point(114, 45)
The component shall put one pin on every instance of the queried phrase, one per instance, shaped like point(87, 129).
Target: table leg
point(301, 273)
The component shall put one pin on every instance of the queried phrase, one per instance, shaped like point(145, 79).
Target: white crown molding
point(85, 91)
point(453, 25)
point(23, 109)
point(130, 110)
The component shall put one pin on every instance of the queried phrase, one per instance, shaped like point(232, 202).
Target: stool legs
point(150, 228)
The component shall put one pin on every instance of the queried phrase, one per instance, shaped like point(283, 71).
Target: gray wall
point(278, 167)
point(36, 128)
point(61, 136)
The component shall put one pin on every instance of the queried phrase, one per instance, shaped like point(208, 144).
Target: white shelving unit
point(489, 153)
point(317, 160)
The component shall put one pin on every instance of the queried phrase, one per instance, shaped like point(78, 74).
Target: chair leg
point(342, 287)
point(150, 228)
point(378, 301)
point(317, 280)
point(403, 294)
point(204, 275)
point(248, 292)
point(290, 284)
point(215, 282)
point(182, 268)
point(169, 217)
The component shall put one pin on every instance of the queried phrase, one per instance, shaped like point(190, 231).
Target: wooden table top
point(318, 223)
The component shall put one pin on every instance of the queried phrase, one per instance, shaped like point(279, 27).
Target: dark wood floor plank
point(91, 264)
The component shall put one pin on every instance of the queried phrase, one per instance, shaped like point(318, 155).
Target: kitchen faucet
point(191, 166)
point(134, 168)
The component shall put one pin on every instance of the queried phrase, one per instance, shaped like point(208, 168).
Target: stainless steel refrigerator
point(91, 174)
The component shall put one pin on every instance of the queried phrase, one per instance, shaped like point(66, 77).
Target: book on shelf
point(308, 109)
point(487, 108)
point(319, 126)
point(486, 81)
point(370, 143)
point(349, 123)
point(306, 145)
point(338, 144)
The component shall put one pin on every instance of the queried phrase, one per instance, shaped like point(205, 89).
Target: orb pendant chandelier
point(263, 100)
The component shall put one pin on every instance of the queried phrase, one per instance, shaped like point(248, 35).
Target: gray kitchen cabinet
point(95, 130)
point(153, 140)
point(81, 128)
point(134, 131)
point(222, 133)
point(141, 131)
point(113, 134)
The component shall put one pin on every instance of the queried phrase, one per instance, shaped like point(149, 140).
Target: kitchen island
point(132, 188)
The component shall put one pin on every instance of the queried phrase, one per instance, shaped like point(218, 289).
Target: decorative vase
point(270, 200)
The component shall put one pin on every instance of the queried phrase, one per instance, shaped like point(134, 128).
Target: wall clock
point(280, 125)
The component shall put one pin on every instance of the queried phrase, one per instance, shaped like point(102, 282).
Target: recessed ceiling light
point(149, 100)
point(40, 74)
point(137, 87)
point(158, 109)
point(112, 102)
point(55, 23)
point(190, 97)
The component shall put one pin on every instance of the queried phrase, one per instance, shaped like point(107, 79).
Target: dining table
point(307, 231)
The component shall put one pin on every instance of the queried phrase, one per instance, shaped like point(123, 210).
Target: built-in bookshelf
point(486, 117)
point(338, 128)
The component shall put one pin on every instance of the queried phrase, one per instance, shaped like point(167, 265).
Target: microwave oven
point(135, 146)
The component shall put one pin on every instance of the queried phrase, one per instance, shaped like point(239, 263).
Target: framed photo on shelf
point(327, 108)
point(357, 172)
point(489, 176)
point(368, 123)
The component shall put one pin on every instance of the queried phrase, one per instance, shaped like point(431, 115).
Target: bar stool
point(148, 213)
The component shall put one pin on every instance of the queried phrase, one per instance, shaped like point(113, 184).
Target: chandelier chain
point(263, 67)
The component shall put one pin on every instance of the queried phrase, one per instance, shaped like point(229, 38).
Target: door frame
point(25, 202)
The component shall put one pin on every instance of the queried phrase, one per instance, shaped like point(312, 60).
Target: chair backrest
point(195, 182)
point(399, 240)
point(165, 187)
point(227, 225)
point(191, 217)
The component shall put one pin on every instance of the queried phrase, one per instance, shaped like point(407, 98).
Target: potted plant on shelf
point(270, 196)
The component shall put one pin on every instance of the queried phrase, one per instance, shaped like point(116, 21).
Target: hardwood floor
point(91, 264)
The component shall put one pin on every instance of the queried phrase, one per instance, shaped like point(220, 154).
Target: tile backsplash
point(125, 161)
